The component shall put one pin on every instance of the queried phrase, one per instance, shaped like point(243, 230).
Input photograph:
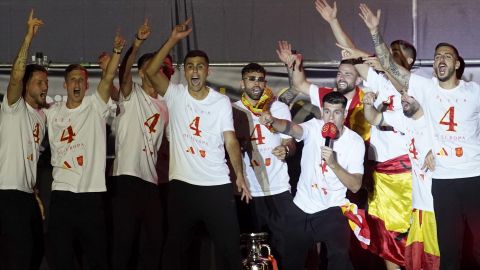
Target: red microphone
point(329, 131)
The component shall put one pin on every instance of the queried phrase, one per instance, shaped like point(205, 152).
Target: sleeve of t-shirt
point(173, 90)
point(100, 106)
point(379, 84)
point(420, 88)
point(315, 95)
point(123, 99)
point(282, 112)
point(355, 164)
point(227, 116)
point(15, 107)
point(375, 81)
point(307, 128)
point(396, 119)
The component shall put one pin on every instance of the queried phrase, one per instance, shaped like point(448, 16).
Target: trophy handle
point(267, 247)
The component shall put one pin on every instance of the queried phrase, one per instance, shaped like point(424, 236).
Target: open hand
point(370, 20)
point(327, 12)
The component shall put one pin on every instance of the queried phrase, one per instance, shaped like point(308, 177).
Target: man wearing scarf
point(264, 152)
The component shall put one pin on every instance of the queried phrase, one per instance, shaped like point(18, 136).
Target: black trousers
point(267, 214)
point(77, 217)
point(329, 226)
point(215, 206)
point(137, 220)
point(457, 211)
point(21, 233)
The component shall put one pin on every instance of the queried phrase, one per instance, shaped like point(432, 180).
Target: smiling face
point(347, 78)
point(76, 84)
point(253, 84)
point(445, 63)
point(196, 73)
point(36, 89)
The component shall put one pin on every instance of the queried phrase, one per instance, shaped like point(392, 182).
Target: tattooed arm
point(399, 73)
point(281, 125)
point(15, 85)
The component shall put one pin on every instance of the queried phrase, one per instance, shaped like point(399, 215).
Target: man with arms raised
point(76, 130)
point(453, 111)
point(347, 82)
point(200, 127)
point(22, 126)
point(139, 127)
point(389, 207)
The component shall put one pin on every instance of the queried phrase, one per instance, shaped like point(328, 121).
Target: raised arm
point(15, 85)
point(158, 79)
point(106, 82)
point(372, 115)
point(293, 64)
point(329, 14)
point(234, 153)
point(359, 57)
point(281, 125)
point(401, 75)
point(125, 72)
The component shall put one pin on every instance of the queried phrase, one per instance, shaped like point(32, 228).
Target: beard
point(450, 72)
point(347, 89)
point(254, 94)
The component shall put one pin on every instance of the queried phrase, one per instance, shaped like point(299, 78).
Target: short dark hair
point(348, 61)
point(445, 44)
point(29, 70)
point(408, 47)
point(168, 71)
point(335, 98)
point(253, 67)
point(196, 53)
point(73, 67)
point(143, 59)
point(461, 68)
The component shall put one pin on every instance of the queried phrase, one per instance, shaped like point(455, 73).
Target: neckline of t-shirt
point(204, 100)
point(461, 83)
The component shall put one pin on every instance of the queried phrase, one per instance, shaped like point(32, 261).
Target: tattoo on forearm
point(288, 127)
point(386, 59)
point(21, 60)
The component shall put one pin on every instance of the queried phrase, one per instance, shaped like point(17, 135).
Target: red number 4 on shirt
point(194, 125)
point(68, 135)
point(451, 119)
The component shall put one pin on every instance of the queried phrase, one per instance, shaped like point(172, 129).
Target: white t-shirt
point(139, 131)
point(385, 144)
point(266, 174)
point(454, 116)
point(21, 132)
point(419, 138)
point(197, 153)
point(319, 188)
point(77, 141)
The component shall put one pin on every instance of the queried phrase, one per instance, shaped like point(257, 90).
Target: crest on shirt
point(459, 151)
point(80, 160)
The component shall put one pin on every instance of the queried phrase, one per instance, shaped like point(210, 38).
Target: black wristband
point(117, 51)
point(142, 39)
point(358, 61)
